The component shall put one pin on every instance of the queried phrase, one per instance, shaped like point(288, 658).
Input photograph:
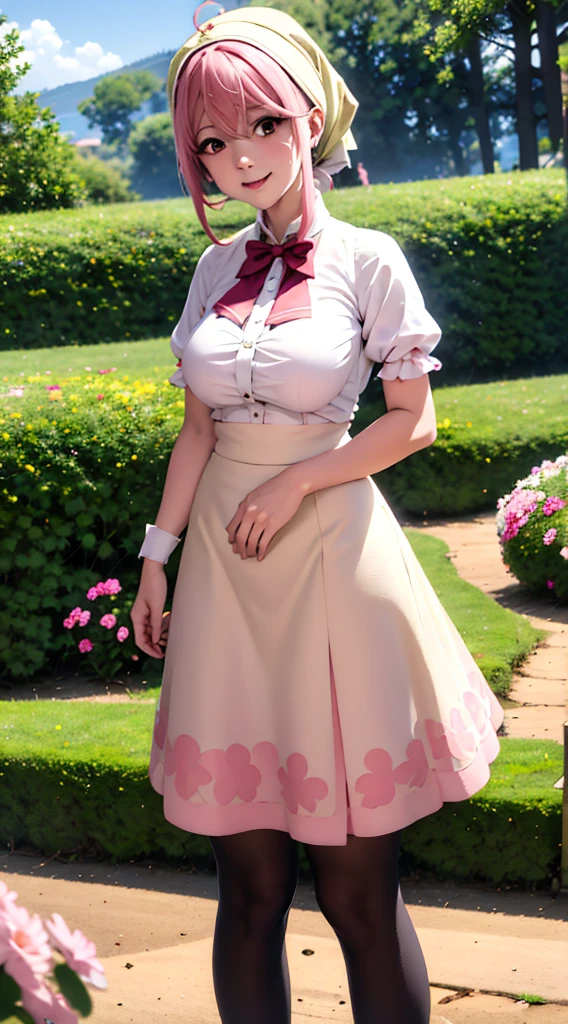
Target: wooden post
point(564, 856)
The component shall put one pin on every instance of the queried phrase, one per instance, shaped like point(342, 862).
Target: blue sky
point(81, 42)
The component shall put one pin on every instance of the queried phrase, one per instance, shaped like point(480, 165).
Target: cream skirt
point(324, 690)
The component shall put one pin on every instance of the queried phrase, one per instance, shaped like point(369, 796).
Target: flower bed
point(532, 523)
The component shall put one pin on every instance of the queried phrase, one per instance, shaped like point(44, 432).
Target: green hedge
point(489, 436)
point(81, 475)
point(100, 801)
point(490, 254)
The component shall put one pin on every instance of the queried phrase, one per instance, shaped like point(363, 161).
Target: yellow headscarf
point(282, 38)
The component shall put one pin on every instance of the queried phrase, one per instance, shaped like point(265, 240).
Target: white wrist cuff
point(158, 544)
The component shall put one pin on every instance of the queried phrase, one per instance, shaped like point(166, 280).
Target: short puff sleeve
point(397, 328)
point(192, 311)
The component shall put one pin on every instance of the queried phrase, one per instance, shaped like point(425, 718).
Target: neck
point(285, 210)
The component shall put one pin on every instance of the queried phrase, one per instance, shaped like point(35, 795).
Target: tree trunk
point(526, 119)
point(548, 46)
point(479, 106)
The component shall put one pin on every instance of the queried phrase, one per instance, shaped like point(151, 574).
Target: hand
point(150, 622)
point(261, 514)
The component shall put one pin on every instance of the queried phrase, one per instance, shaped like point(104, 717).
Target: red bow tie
point(293, 297)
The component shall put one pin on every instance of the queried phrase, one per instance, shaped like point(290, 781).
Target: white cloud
point(49, 66)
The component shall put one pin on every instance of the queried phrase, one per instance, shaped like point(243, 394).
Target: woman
point(324, 696)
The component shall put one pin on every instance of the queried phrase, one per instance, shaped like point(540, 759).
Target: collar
point(320, 218)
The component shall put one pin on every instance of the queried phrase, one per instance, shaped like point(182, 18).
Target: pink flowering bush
point(36, 955)
point(105, 643)
point(532, 524)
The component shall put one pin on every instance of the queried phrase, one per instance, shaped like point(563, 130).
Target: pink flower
point(108, 371)
point(52, 387)
point(549, 536)
point(85, 645)
point(296, 789)
point(79, 952)
point(552, 504)
point(135, 657)
point(6, 895)
point(92, 594)
point(84, 618)
point(517, 513)
point(111, 586)
point(24, 945)
point(550, 584)
point(44, 1004)
point(73, 617)
point(122, 633)
point(100, 396)
point(108, 621)
point(564, 552)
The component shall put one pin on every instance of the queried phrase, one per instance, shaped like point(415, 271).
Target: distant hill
point(64, 99)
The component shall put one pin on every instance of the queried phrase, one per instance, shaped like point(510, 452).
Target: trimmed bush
point(98, 799)
point(488, 434)
point(533, 529)
point(490, 254)
point(77, 459)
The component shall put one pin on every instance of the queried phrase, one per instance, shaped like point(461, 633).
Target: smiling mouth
point(259, 181)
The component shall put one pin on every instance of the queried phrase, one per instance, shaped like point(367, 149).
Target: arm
point(408, 425)
point(190, 454)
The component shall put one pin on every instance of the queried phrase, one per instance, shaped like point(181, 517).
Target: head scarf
point(283, 39)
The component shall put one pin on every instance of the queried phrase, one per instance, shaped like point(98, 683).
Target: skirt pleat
point(323, 691)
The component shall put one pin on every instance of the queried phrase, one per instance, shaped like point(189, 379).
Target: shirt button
point(255, 414)
point(247, 344)
point(271, 286)
point(246, 396)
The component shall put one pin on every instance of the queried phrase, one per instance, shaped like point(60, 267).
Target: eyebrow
point(206, 126)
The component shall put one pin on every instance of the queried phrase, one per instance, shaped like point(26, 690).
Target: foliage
point(83, 457)
point(490, 256)
point(115, 97)
point(103, 182)
point(38, 168)
point(103, 637)
point(487, 434)
point(37, 955)
point(532, 522)
point(63, 791)
point(152, 145)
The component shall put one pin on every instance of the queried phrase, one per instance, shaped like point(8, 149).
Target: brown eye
point(270, 120)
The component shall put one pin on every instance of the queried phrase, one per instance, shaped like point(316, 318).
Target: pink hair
point(226, 78)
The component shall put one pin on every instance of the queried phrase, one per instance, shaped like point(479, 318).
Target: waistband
point(277, 444)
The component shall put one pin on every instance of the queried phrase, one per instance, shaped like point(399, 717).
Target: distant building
point(87, 143)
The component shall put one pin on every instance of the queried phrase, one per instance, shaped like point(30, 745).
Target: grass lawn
point(498, 639)
point(520, 409)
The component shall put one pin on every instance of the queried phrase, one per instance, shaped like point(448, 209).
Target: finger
point(241, 537)
point(254, 537)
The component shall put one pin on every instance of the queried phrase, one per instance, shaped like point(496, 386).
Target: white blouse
point(366, 308)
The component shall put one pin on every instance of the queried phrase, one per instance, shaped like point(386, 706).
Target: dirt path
point(538, 704)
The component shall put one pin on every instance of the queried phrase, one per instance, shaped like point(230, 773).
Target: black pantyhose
point(357, 890)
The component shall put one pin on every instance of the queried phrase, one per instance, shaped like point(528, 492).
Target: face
point(268, 152)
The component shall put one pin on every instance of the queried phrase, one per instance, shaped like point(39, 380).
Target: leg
point(257, 876)
point(357, 889)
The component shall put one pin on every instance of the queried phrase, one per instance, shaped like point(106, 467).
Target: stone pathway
point(537, 705)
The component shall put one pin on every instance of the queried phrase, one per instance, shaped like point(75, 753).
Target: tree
point(152, 146)
point(38, 168)
point(115, 98)
point(493, 20)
